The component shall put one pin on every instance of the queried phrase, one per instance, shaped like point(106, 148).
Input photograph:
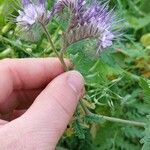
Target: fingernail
point(76, 81)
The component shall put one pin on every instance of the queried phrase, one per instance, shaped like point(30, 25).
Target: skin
point(37, 101)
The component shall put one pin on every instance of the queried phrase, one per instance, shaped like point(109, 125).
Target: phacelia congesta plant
point(89, 21)
point(93, 20)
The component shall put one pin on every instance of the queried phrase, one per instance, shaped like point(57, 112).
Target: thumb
point(48, 116)
point(55, 106)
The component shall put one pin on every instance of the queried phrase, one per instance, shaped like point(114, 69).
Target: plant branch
point(53, 47)
point(118, 120)
point(111, 119)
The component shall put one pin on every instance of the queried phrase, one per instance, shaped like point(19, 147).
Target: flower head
point(74, 5)
point(89, 21)
point(32, 13)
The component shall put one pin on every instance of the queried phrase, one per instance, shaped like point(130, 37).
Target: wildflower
point(74, 5)
point(32, 13)
point(89, 21)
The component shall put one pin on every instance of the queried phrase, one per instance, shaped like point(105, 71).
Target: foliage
point(117, 81)
point(145, 84)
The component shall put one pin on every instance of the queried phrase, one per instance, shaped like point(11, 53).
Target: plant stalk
point(53, 47)
point(118, 120)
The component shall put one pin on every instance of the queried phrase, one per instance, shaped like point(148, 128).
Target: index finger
point(31, 73)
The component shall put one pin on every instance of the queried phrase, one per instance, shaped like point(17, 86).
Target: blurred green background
point(117, 82)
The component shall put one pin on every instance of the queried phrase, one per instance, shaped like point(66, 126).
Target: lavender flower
point(89, 21)
point(32, 14)
point(74, 5)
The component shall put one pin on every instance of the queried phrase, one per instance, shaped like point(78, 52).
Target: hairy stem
point(112, 119)
point(117, 120)
point(62, 57)
point(53, 47)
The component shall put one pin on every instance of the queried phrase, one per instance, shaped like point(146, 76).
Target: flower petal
point(25, 2)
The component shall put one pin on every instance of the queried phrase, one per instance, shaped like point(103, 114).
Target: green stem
point(118, 120)
point(62, 58)
point(53, 47)
point(112, 119)
point(5, 53)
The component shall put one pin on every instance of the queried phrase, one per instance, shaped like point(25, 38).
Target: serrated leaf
point(146, 87)
point(79, 131)
point(94, 118)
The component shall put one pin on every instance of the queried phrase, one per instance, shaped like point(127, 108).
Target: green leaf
point(145, 84)
point(145, 6)
point(138, 23)
point(94, 118)
point(79, 131)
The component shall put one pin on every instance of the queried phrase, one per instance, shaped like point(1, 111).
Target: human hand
point(37, 100)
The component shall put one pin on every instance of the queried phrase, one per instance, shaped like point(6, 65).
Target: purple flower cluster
point(74, 5)
point(32, 13)
point(86, 20)
point(89, 21)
